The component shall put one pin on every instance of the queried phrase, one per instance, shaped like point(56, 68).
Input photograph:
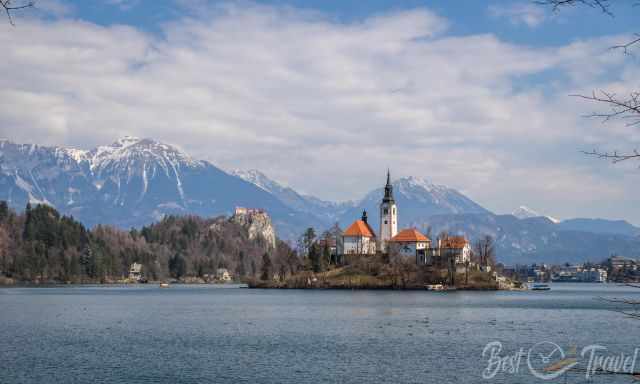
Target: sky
point(325, 95)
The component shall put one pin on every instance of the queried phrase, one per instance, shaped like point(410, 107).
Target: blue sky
point(466, 16)
point(325, 95)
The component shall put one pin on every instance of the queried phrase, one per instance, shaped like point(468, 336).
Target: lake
point(225, 334)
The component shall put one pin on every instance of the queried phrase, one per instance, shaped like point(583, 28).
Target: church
point(360, 238)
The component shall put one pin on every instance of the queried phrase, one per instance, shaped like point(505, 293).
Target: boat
point(164, 285)
point(434, 287)
point(540, 287)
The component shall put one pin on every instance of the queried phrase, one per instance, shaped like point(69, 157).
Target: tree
point(623, 107)
point(9, 6)
point(317, 260)
point(177, 266)
point(241, 270)
point(484, 251)
point(306, 240)
point(266, 272)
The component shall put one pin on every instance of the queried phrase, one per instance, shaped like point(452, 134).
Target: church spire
point(388, 190)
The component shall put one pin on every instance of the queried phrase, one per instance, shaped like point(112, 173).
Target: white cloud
point(519, 13)
point(327, 106)
point(123, 5)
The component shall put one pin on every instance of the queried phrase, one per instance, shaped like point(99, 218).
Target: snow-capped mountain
point(133, 182)
point(326, 212)
point(417, 199)
point(130, 183)
point(524, 212)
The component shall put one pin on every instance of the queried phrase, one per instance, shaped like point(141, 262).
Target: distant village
point(617, 269)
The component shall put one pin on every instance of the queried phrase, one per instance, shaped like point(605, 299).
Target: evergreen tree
point(240, 269)
point(266, 267)
point(4, 211)
point(177, 266)
point(317, 261)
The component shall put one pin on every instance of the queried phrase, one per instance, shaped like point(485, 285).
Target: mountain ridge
point(134, 182)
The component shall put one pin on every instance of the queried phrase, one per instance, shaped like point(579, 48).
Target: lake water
point(208, 334)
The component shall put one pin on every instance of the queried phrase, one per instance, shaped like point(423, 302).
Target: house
point(410, 243)
point(329, 242)
point(457, 247)
point(592, 275)
point(622, 263)
point(359, 238)
point(222, 274)
point(135, 272)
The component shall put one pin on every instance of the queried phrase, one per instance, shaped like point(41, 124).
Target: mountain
point(536, 239)
point(325, 212)
point(131, 182)
point(417, 199)
point(602, 226)
point(527, 213)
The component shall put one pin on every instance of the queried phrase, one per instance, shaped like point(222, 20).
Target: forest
point(42, 246)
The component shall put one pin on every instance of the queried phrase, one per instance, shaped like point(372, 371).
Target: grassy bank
point(352, 278)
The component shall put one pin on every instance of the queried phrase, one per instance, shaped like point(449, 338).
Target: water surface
point(208, 334)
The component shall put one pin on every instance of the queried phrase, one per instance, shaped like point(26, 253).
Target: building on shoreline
point(135, 272)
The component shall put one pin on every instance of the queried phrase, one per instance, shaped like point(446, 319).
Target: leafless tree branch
point(602, 5)
point(626, 47)
point(9, 6)
point(619, 108)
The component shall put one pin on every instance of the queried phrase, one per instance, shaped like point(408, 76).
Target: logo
point(547, 360)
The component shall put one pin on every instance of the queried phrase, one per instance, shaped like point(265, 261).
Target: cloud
point(519, 13)
point(327, 106)
point(123, 5)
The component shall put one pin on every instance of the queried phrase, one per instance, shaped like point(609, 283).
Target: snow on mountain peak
point(129, 150)
point(258, 179)
point(416, 182)
point(524, 212)
point(126, 141)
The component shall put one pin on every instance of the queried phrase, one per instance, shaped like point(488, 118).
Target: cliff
point(257, 223)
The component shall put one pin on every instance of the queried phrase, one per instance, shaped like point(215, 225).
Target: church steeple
point(388, 215)
point(388, 190)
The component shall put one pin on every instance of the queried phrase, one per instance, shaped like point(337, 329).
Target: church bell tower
point(388, 215)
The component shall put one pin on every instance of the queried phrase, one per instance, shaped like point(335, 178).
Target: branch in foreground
point(614, 156)
point(8, 6)
point(625, 47)
point(602, 5)
point(628, 108)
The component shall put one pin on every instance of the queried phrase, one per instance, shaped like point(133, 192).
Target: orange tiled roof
point(359, 228)
point(409, 235)
point(454, 242)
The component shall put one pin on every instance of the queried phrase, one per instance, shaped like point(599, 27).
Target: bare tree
point(9, 6)
point(484, 250)
point(623, 107)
